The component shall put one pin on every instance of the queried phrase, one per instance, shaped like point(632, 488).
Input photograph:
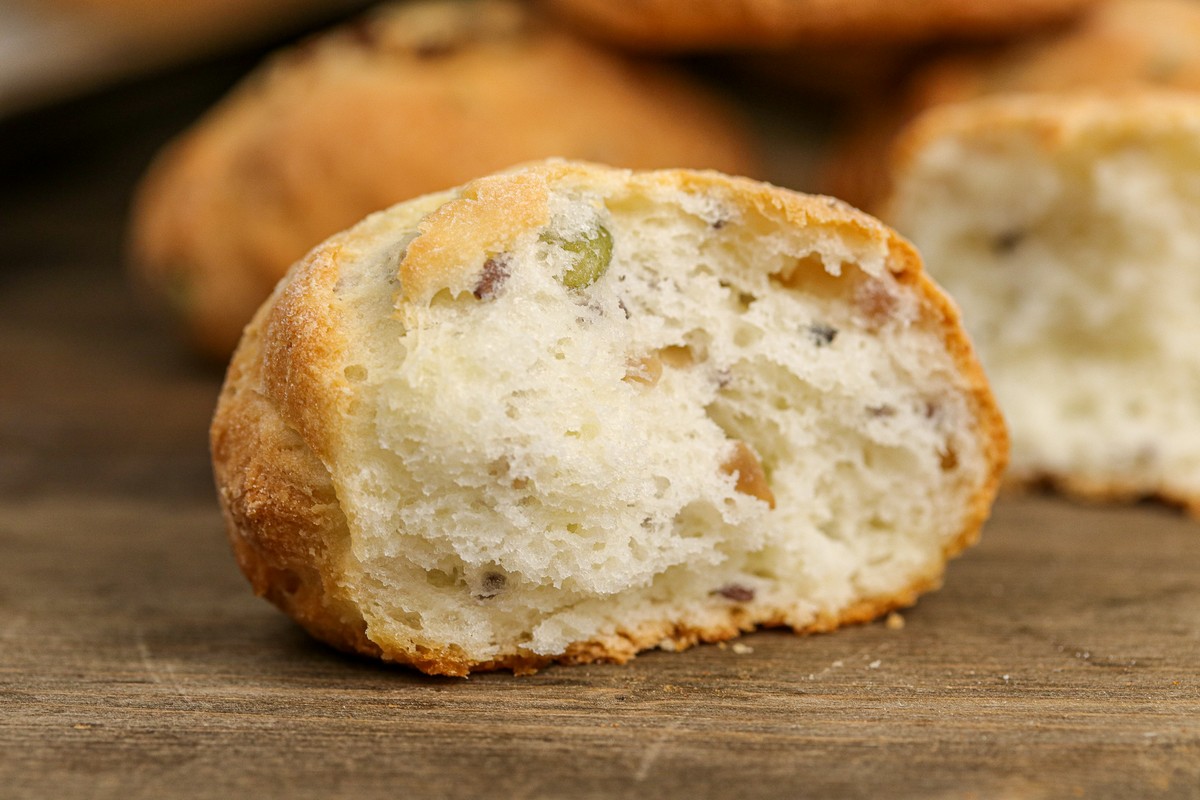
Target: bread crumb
point(894, 622)
point(874, 664)
point(741, 649)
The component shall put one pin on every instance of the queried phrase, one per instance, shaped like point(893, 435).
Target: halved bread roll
point(569, 412)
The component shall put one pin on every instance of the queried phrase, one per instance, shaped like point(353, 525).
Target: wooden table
point(1061, 659)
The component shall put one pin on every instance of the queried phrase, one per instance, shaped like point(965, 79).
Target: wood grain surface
point(1061, 659)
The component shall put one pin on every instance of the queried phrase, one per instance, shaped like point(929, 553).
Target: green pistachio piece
point(592, 254)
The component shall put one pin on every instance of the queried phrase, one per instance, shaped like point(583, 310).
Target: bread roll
point(570, 412)
point(1068, 227)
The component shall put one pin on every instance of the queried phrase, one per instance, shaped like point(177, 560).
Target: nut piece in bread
point(409, 99)
point(1068, 228)
point(570, 412)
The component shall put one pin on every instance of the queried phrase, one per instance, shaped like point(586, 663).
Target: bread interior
point(743, 420)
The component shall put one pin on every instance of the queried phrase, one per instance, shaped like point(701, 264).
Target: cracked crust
point(1083, 122)
point(276, 423)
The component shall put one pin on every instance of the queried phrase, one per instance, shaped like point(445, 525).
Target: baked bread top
point(709, 24)
point(569, 412)
point(409, 99)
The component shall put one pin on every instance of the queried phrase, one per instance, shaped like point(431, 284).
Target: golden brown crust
point(707, 24)
point(284, 522)
point(271, 435)
point(486, 218)
point(410, 100)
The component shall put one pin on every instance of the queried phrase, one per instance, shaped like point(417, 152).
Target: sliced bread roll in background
point(1115, 45)
point(411, 98)
point(1068, 228)
point(570, 412)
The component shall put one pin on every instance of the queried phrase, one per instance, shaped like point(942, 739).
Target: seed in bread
point(569, 412)
point(1068, 227)
point(410, 99)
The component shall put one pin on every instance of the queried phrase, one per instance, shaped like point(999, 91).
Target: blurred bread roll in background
point(1068, 229)
point(52, 50)
point(409, 99)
